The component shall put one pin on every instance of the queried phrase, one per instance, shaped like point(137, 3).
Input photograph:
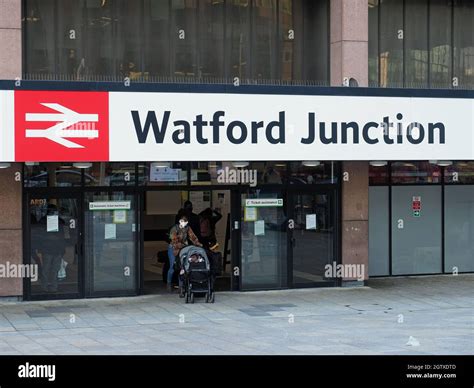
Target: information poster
point(110, 232)
point(52, 224)
point(311, 222)
point(250, 214)
point(259, 228)
point(120, 216)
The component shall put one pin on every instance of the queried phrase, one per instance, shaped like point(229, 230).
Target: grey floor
point(413, 315)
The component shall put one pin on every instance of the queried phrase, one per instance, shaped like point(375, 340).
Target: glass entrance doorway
point(54, 229)
point(288, 238)
point(312, 237)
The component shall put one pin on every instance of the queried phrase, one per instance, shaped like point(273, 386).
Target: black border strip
point(231, 89)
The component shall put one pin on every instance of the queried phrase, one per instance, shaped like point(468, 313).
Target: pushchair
point(198, 274)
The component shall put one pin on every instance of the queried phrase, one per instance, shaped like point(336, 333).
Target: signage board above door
point(264, 202)
point(47, 126)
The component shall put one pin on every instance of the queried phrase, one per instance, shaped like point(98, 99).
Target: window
point(440, 43)
point(415, 172)
point(378, 175)
point(420, 43)
point(40, 39)
point(464, 42)
point(459, 172)
point(199, 39)
point(391, 43)
point(211, 38)
point(163, 173)
point(52, 175)
point(316, 173)
point(111, 174)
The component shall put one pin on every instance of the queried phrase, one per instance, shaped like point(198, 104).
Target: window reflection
point(163, 173)
point(316, 173)
point(459, 172)
point(415, 172)
point(52, 175)
point(111, 174)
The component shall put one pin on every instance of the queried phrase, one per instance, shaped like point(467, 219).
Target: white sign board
point(163, 174)
point(264, 202)
point(52, 224)
point(110, 232)
point(311, 222)
point(110, 205)
point(291, 127)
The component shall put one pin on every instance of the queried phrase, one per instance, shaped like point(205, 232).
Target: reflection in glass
point(459, 172)
point(378, 175)
point(99, 40)
point(237, 39)
point(111, 174)
point(415, 172)
point(128, 41)
point(70, 41)
point(163, 173)
point(416, 43)
point(110, 243)
point(463, 27)
point(183, 35)
point(53, 175)
point(40, 40)
point(291, 42)
point(440, 43)
point(264, 244)
point(211, 38)
point(391, 45)
point(54, 245)
point(313, 236)
point(264, 48)
point(323, 172)
point(156, 41)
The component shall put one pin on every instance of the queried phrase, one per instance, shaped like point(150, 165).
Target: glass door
point(264, 239)
point(111, 248)
point(53, 246)
point(312, 236)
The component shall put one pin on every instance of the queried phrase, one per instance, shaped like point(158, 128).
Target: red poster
point(61, 126)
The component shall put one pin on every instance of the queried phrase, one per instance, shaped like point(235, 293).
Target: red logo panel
point(61, 126)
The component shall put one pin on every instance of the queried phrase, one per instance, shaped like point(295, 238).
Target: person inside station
point(208, 220)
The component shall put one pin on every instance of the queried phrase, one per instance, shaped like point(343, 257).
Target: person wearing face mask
point(181, 235)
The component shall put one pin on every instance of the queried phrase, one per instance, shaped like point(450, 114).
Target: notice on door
point(52, 224)
point(259, 228)
point(110, 232)
point(120, 216)
point(250, 214)
point(311, 222)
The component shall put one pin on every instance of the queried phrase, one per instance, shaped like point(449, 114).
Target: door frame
point(53, 193)
point(332, 191)
point(286, 192)
point(137, 240)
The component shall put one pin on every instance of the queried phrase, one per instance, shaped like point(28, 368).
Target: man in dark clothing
point(193, 219)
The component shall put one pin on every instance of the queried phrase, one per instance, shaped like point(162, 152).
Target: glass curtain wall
point(150, 39)
point(421, 43)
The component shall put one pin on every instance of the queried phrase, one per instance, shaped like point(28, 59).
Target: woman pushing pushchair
point(181, 235)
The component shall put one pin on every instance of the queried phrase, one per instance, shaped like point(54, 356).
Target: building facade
point(278, 114)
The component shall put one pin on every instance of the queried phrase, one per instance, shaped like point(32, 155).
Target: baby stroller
point(198, 277)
